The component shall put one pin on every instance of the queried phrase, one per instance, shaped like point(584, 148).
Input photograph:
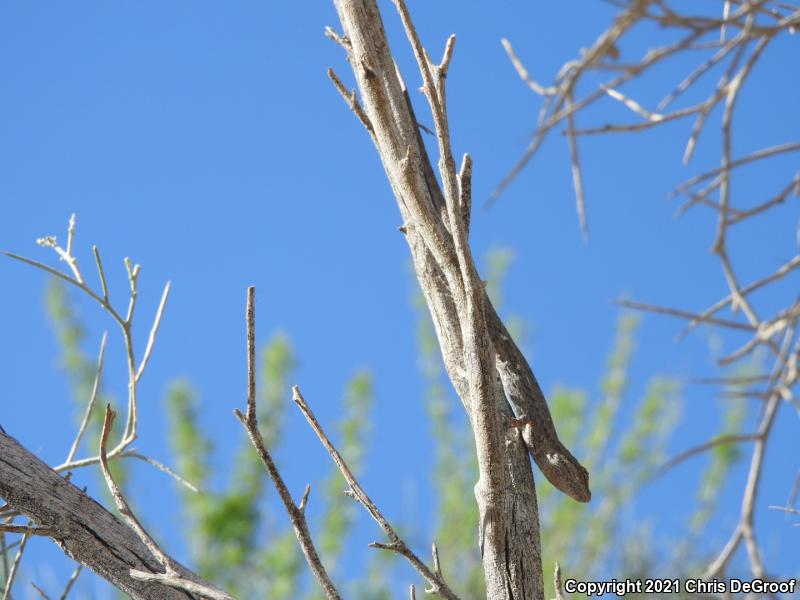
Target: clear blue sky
point(204, 141)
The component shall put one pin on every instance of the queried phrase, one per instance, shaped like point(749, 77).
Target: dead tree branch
point(250, 423)
point(83, 529)
point(734, 37)
point(396, 543)
point(489, 373)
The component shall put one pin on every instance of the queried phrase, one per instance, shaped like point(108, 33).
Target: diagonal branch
point(172, 576)
point(722, 440)
point(434, 578)
point(250, 422)
point(473, 341)
point(83, 529)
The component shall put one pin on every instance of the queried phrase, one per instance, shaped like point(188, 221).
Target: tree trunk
point(475, 346)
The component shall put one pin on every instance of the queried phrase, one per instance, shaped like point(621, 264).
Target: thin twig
point(101, 273)
point(780, 273)
point(250, 423)
point(153, 332)
point(352, 101)
point(722, 440)
point(130, 431)
point(40, 591)
point(685, 314)
point(557, 582)
point(174, 581)
point(71, 582)
point(577, 177)
point(524, 74)
point(12, 573)
point(4, 554)
point(437, 584)
point(27, 530)
point(743, 380)
point(161, 467)
point(122, 504)
point(785, 509)
point(92, 400)
point(171, 576)
point(778, 198)
point(752, 157)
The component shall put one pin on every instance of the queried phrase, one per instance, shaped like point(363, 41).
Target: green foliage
point(375, 584)
point(227, 531)
point(191, 448)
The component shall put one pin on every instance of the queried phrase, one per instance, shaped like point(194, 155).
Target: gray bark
point(480, 357)
point(83, 529)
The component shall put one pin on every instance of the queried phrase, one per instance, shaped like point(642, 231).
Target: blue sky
point(205, 142)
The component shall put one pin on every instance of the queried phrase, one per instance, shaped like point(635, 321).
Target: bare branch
point(396, 544)
point(250, 320)
point(153, 332)
point(161, 467)
point(71, 582)
point(557, 582)
point(684, 314)
point(577, 177)
point(172, 576)
point(304, 499)
point(40, 591)
point(785, 509)
point(351, 100)
point(753, 157)
point(12, 573)
point(524, 74)
point(122, 504)
point(83, 528)
point(465, 191)
point(436, 229)
point(722, 440)
point(743, 31)
point(250, 423)
point(780, 273)
point(101, 273)
point(92, 400)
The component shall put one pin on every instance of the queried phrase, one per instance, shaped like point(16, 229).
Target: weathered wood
point(479, 355)
point(83, 529)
